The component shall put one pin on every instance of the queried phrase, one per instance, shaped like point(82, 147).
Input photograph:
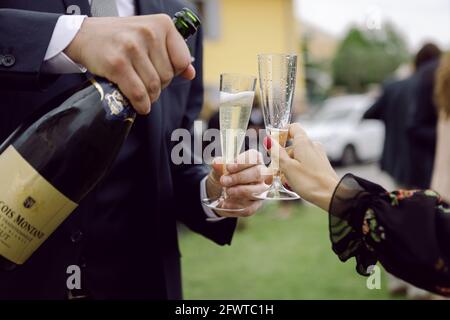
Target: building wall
point(322, 46)
point(246, 28)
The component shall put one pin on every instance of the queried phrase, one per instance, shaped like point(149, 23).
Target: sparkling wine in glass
point(236, 99)
point(277, 76)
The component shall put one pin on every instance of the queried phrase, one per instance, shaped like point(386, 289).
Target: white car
point(346, 136)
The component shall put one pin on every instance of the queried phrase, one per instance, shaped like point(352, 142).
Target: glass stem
point(277, 184)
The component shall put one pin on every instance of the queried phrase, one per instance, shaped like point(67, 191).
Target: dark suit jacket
point(422, 123)
point(123, 235)
point(393, 107)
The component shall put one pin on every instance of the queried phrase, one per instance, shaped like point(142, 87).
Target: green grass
point(273, 258)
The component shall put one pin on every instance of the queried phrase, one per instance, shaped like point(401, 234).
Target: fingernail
point(226, 180)
point(267, 143)
point(287, 186)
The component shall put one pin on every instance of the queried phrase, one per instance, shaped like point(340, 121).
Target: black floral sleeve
point(408, 232)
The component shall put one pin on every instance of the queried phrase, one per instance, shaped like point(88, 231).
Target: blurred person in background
point(391, 107)
point(422, 121)
point(407, 231)
point(394, 104)
point(441, 171)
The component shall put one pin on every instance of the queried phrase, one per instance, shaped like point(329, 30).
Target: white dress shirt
point(56, 61)
point(65, 31)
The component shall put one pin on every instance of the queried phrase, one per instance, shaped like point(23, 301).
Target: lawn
point(273, 257)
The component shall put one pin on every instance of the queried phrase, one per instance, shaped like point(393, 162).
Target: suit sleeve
point(187, 178)
point(25, 36)
point(376, 111)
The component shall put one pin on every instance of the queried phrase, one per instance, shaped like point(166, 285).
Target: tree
point(366, 57)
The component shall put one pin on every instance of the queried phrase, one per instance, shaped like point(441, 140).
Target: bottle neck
point(184, 29)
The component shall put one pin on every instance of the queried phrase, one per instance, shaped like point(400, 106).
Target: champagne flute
point(277, 76)
point(236, 99)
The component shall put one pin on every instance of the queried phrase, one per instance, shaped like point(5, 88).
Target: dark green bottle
point(48, 165)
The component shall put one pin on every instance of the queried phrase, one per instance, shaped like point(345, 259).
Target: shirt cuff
point(55, 61)
point(211, 216)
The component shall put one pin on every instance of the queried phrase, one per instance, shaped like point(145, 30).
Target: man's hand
point(140, 54)
point(243, 179)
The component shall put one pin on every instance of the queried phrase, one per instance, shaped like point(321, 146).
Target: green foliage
point(367, 57)
point(273, 257)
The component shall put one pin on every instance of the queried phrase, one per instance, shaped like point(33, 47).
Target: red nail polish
point(267, 143)
point(287, 186)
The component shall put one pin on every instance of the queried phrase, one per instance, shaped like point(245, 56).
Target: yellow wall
point(249, 27)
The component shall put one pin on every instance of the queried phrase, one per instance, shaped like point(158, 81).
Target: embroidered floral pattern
point(443, 208)
point(441, 265)
point(399, 195)
point(445, 291)
point(372, 228)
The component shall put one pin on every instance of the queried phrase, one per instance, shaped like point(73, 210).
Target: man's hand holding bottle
point(141, 54)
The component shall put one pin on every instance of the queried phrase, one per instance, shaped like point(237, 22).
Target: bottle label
point(30, 207)
point(116, 105)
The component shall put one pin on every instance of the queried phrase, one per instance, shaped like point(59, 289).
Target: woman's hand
point(306, 167)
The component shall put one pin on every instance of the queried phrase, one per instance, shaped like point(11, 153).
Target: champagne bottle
point(48, 166)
